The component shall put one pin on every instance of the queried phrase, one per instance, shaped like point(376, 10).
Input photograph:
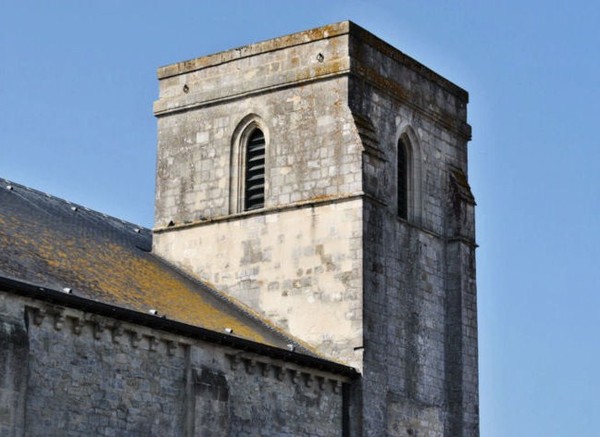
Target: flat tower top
point(305, 37)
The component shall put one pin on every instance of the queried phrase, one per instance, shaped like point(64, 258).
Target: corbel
point(77, 325)
point(279, 372)
point(38, 315)
point(99, 327)
point(265, 368)
point(152, 343)
point(320, 382)
point(117, 333)
point(136, 338)
point(337, 386)
point(234, 361)
point(308, 379)
point(250, 366)
point(59, 319)
point(171, 347)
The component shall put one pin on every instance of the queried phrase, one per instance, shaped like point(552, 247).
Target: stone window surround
point(237, 168)
point(414, 164)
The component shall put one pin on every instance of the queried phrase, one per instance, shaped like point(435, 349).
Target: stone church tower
point(321, 179)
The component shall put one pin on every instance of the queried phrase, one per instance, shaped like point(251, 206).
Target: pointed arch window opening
point(254, 174)
point(403, 179)
point(247, 178)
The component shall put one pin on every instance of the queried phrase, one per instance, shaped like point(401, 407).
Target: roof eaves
point(172, 326)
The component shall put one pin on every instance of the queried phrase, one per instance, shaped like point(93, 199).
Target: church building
point(310, 271)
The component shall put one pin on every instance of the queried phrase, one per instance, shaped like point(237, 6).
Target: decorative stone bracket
point(98, 326)
point(283, 372)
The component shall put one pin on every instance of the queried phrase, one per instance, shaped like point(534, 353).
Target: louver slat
point(254, 196)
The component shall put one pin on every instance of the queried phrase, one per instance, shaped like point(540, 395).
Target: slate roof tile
point(51, 243)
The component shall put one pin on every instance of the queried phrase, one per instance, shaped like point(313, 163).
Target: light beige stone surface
point(300, 267)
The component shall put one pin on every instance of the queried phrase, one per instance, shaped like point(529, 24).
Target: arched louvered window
point(254, 180)
point(403, 181)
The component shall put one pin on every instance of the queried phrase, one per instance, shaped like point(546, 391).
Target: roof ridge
point(11, 185)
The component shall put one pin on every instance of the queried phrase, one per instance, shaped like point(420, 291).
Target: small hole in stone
point(186, 89)
point(320, 57)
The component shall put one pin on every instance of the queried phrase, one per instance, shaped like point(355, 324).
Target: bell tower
point(320, 178)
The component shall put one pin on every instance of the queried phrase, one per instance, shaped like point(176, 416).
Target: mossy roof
point(51, 243)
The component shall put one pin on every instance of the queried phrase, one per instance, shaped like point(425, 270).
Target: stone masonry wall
point(90, 375)
point(14, 355)
point(414, 324)
point(298, 260)
point(309, 130)
point(417, 287)
point(300, 267)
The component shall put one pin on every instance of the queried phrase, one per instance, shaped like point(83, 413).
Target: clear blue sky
point(77, 82)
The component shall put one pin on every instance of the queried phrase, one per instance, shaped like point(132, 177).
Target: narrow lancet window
point(254, 190)
point(402, 180)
